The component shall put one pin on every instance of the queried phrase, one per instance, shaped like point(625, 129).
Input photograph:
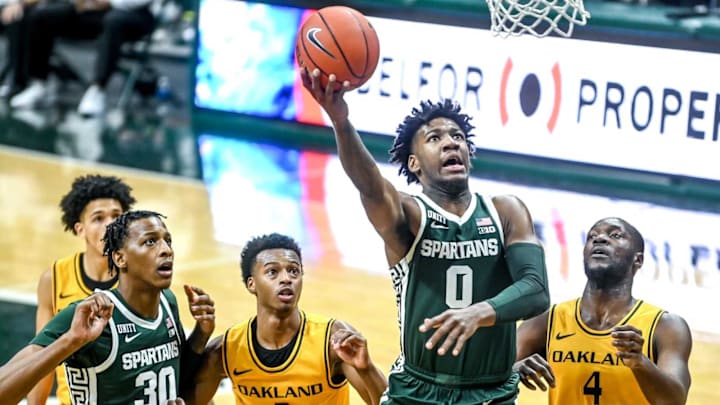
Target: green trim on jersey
point(134, 358)
point(454, 262)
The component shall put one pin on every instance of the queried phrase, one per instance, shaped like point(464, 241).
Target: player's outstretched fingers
point(315, 81)
point(449, 332)
point(536, 371)
point(202, 305)
point(432, 323)
point(330, 88)
point(460, 343)
point(305, 77)
point(453, 330)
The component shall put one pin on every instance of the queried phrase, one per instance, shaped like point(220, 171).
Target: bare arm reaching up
point(394, 215)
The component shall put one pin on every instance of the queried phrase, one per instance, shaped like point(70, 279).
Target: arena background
point(622, 120)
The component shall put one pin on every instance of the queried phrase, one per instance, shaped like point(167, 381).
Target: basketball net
point(536, 17)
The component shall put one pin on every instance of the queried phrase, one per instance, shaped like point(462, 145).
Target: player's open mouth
point(286, 295)
point(166, 268)
point(598, 253)
point(453, 163)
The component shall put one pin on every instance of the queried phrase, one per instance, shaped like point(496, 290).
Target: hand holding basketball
point(338, 40)
point(331, 98)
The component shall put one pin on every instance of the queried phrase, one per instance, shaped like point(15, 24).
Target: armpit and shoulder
point(673, 334)
point(510, 207)
point(515, 218)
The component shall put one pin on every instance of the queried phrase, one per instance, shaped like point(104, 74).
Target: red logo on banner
point(531, 82)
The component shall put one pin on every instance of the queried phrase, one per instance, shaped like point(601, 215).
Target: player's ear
point(79, 229)
point(119, 258)
point(638, 262)
point(413, 164)
point(251, 285)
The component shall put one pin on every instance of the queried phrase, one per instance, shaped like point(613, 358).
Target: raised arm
point(40, 393)
point(530, 360)
point(208, 376)
point(349, 352)
point(667, 381)
point(202, 308)
point(394, 215)
point(34, 362)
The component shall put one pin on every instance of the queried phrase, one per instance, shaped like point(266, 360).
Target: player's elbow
point(537, 302)
point(540, 304)
point(675, 393)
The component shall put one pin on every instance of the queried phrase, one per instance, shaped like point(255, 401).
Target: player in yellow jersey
point(607, 347)
point(283, 355)
point(91, 204)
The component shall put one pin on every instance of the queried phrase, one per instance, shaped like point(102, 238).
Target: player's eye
point(150, 242)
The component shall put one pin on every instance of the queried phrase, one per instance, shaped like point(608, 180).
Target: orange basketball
point(338, 40)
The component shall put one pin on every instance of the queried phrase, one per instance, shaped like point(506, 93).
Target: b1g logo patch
point(170, 326)
point(484, 225)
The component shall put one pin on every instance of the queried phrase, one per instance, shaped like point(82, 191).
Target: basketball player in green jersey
point(464, 267)
point(607, 347)
point(141, 355)
point(91, 204)
point(283, 355)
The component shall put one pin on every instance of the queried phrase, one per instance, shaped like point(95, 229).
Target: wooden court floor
point(31, 238)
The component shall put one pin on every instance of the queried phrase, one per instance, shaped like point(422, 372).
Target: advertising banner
point(634, 107)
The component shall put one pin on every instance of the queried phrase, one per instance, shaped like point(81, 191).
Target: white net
point(536, 17)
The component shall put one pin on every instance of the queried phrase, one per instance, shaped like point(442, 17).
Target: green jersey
point(135, 361)
point(453, 263)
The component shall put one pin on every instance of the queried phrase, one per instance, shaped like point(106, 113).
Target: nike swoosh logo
point(561, 337)
point(435, 225)
point(237, 372)
point(63, 296)
point(312, 37)
point(129, 339)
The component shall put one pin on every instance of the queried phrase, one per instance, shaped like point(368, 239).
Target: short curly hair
point(117, 232)
point(93, 187)
point(261, 243)
point(402, 147)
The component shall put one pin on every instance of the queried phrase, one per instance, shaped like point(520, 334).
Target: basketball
point(338, 40)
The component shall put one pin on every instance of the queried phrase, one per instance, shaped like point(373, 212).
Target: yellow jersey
point(69, 284)
point(587, 370)
point(305, 377)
